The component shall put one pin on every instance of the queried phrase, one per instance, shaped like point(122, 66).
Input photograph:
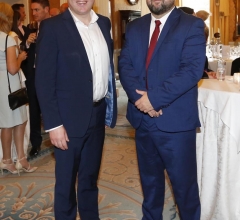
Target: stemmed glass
point(22, 48)
point(33, 26)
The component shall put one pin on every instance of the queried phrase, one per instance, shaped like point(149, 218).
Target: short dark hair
point(43, 3)
point(187, 10)
point(16, 7)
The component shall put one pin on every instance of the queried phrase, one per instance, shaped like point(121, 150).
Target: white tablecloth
point(218, 145)
point(223, 97)
point(26, 140)
point(212, 64)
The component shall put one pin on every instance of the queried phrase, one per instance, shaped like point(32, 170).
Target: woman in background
point(12, 122)
point(18, 37)
point(15, 32)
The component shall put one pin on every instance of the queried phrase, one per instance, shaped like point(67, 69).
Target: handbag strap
point(9, 87)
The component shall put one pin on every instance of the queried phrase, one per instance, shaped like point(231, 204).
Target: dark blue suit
point(65, 92)
point(28, 67)
point(169, 141)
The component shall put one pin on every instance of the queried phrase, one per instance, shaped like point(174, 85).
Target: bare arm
point(14, 61)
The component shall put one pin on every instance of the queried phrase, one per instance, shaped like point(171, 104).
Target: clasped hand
point(144, 105)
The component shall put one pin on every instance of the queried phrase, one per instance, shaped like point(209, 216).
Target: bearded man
point(159, 68)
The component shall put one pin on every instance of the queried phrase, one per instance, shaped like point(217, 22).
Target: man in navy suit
point(40, 11)
point(162, 104)
point(76, 89)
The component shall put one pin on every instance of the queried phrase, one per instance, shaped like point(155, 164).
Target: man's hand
point(31, 38)
point(153, 113)
point(59, 138)
point(143, 104)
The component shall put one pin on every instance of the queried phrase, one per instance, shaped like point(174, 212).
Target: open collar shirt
point(97, 52)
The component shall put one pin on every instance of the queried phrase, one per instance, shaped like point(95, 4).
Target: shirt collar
point(93, 15)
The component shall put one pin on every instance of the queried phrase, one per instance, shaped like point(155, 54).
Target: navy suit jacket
point(28, 64)
point(173, 73)
point(64, 77)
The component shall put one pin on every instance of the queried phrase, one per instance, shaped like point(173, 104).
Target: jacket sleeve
point(128, 75)
point(46, 75)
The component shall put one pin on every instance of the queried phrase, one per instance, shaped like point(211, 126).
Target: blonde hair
point(6, 17)
point(203, 14)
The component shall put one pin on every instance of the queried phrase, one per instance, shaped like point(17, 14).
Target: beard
point(161, 9)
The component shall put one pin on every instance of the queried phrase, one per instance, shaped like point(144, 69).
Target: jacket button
point(90, 81)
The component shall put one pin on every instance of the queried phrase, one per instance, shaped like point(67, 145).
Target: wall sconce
point(132, 2)
point(217, 2)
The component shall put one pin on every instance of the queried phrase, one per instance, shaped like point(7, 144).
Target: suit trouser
point(34, 112)
point(175, 152)
point(82, 159)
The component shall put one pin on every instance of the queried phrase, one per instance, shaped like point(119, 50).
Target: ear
point(47, 9)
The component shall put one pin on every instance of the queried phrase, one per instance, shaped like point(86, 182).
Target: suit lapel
point(145, 31)
point(73, 31)
point(169, 23)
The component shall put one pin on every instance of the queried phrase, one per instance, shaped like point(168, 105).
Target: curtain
point(219, 21)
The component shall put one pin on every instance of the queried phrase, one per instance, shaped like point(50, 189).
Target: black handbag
point(19, 97)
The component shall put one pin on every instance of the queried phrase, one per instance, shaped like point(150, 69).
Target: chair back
point(235, 66)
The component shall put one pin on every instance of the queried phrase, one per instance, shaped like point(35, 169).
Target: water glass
point(221, 72)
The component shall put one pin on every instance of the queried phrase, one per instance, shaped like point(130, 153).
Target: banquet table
point(218, 147)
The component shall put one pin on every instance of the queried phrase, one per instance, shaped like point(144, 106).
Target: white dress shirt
point(21, 28)
point(162, 20)
point(97, 52)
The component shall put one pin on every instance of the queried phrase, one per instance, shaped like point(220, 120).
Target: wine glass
point(221, 72)
point(33, 26)
point(22, 48)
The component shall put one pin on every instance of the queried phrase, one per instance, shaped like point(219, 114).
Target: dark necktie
point(153, 43)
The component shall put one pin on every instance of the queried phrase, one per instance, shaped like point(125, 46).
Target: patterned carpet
point(30, 196)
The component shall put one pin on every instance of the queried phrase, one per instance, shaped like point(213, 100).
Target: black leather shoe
point(34, 152)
